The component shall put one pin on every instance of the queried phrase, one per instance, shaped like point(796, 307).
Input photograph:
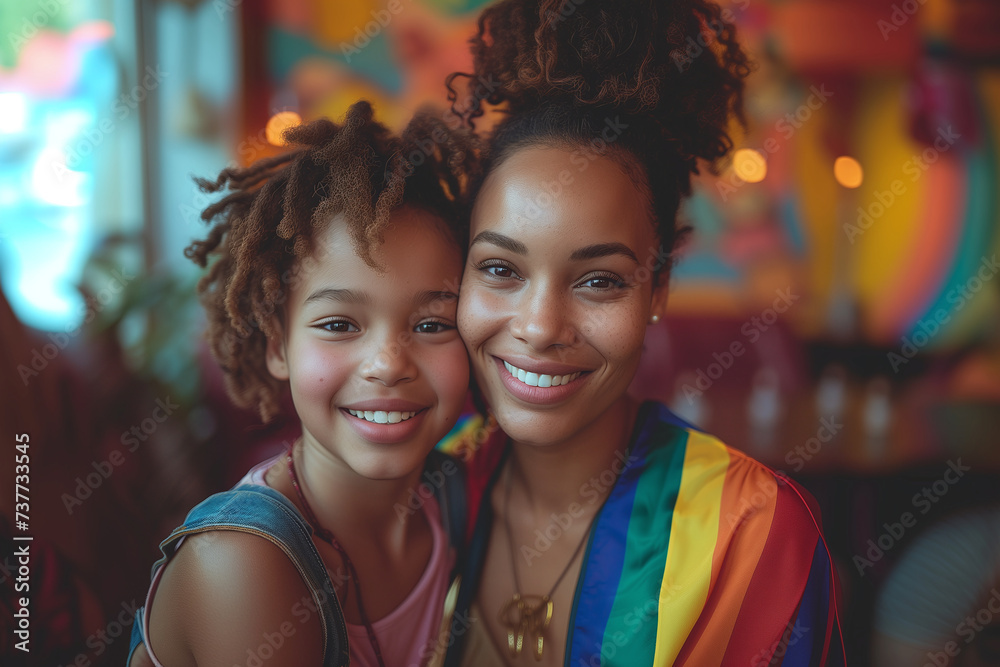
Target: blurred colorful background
point(836, 312)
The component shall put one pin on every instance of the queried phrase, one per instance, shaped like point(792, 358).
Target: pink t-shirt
point(408, 635)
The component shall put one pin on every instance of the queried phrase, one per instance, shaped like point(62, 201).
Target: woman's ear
point(277, 364)
point(661, 290)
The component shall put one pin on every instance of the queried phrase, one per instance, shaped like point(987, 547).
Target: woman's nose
point(543, 318)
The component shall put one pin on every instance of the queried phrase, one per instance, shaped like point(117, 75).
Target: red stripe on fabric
point(743, 531)
point(778, 582)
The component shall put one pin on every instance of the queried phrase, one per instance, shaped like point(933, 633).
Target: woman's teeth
point(381, 417)
point(539, 379)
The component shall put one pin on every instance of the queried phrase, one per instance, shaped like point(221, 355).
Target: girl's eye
point(433, 327)
point(339, 326)
point(604, 282)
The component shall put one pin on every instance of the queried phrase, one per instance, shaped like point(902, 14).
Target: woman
point(609, 532)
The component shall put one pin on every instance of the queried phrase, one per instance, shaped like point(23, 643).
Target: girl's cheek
point(324, 370)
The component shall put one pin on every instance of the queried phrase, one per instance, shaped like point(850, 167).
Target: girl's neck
point(579, 470)
point(351, 506)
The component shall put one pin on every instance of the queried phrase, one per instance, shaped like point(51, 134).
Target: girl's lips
point(539, 395)
point(385, 434)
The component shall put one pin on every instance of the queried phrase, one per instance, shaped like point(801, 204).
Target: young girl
point(335, 275)
point(610, 532)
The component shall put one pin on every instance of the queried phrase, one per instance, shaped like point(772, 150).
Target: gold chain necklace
point(529, 615)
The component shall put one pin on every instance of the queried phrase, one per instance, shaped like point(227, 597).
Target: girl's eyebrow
point(341, 295)
point(429, 296)
point(363, 299)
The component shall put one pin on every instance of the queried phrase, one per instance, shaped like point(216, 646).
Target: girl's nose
point(390, 361)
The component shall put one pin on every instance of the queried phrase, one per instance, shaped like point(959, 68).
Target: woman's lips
point(530, 386)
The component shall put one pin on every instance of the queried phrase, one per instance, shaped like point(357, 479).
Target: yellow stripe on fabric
point(693, 536)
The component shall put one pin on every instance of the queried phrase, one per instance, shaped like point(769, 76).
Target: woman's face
point(558, 289)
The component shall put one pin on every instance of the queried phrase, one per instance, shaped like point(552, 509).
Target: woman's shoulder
point(226, 593)
point(742, 488)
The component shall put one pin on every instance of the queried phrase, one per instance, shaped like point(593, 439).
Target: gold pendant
point(534, 613)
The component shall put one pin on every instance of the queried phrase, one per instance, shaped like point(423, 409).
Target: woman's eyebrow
point(505, 242)
point(603, 250)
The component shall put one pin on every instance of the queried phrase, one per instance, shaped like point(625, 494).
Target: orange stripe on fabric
point(743, 531)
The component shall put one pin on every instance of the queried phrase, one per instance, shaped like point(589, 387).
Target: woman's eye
point(432, 327)
point(339, 326)
point(498, 270)
point(603, 282)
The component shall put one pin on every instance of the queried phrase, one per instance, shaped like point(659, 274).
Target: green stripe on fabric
point(630, 635)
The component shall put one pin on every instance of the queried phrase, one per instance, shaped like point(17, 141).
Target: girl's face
point(378, 373)
point(557, 290)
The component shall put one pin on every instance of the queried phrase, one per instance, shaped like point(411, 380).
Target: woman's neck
point(581, 469)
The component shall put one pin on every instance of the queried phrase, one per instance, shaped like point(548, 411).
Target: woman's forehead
point(561, 190)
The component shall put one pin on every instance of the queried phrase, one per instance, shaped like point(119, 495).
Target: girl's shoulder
point(241, 574)
point(227, 596)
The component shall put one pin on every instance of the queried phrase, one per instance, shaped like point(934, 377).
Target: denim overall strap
point(264, 512)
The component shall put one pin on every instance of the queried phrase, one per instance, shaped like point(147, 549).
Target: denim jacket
point(262, 511)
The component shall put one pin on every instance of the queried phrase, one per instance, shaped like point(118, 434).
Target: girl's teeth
point(539, 379)
point(381, 416)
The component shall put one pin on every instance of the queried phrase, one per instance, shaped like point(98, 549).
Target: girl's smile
point(376, 368)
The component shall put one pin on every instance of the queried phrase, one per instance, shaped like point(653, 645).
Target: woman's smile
point(555, 321)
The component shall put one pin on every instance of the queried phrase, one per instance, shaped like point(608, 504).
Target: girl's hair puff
point(266, 225)
point(667, 74)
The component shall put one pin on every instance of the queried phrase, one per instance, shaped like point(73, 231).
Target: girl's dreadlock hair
point(266, 224)
point(651, 83)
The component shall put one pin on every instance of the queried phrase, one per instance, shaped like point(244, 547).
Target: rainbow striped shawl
point(700, 556)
